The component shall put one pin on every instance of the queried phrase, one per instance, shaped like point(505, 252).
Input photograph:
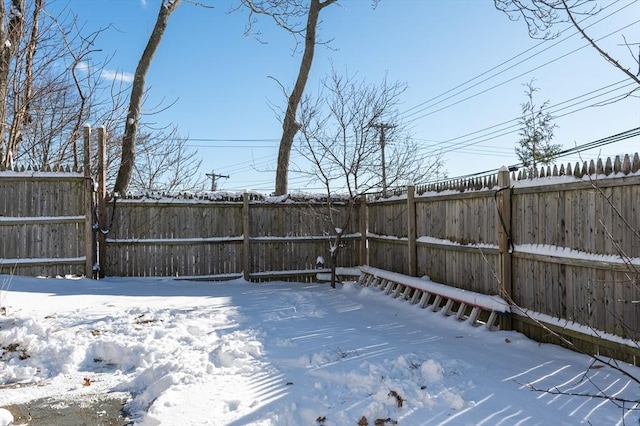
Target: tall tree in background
point(52, 86)
point(42, 106)
point(165, 163)
point(137, 93)
point(285, 13)
point(10, 35)
point(342, 145)
point(534, 146)
point(340, 139)
point(542, 15)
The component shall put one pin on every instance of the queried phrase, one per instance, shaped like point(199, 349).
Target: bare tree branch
point(604, 54)
point(541, 16)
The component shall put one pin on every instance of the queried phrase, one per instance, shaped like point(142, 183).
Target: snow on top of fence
point(229, 196)
point(566, 324)
point(38, 171)
point(185, 196)
point(566, 252)
point(619, 166)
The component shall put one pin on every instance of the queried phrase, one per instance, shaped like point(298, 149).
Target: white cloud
point(82, 66)
point(106, 74)
point(124, 77)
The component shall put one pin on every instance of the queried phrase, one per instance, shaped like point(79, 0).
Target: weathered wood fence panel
point(389, 254)
point(389, 218)
point(565, 250)
point(42, 223)
point(569, 255)
point(387, 235)
point(203, 238)
point(456, 238)
point(471, 268)
point(173, 237)
point(575, 248)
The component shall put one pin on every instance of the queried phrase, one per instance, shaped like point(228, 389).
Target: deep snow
point(237, 353)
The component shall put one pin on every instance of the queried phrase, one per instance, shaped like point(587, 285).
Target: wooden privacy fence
point(46, 228)
point(563, 246)
point(42, 223)
point(214, 239)
point(62, 222)
point(46, 220)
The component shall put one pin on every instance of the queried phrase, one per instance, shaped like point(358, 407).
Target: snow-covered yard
point(237, 353)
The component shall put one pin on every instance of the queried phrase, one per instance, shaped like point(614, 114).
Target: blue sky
point(220, 81)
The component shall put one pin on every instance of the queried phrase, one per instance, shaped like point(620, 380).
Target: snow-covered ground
point(237, 353)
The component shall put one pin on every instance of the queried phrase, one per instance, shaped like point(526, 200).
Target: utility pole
point(214, 177)
point(382, 127)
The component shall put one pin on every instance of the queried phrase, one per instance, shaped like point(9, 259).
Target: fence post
point(102, 195)
point(411, 230)
point(245, 234)
point(89, 246)
point(364, 250)
point(504, 237)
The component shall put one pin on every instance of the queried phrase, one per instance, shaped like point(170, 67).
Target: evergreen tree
point(534, 146)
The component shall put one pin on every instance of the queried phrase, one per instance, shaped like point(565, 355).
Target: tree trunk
point(22, 102)
point(9, 44)
point(137, 92)
point(289, 125)
point(333, 255)
point(5, 56)
point(334, 261)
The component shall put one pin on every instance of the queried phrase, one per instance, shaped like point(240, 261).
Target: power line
point(465, 141)
point(511, 79)
point(498, 130)
point(229, 140)
point(504, 70)
point(512, 125)
point(569, 27)
point(628, 134)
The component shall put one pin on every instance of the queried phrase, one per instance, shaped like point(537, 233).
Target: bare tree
point(125, 172)
point(10, 36)
point(41, 102)
point(286, 14)
point(534, 146)
point(542, 15)
point(53, 87)
point(21, 99)
point(166, 164)
point(342, 145)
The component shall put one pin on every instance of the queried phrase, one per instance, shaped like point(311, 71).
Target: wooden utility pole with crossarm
point(214, 178)
point(382, 127)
